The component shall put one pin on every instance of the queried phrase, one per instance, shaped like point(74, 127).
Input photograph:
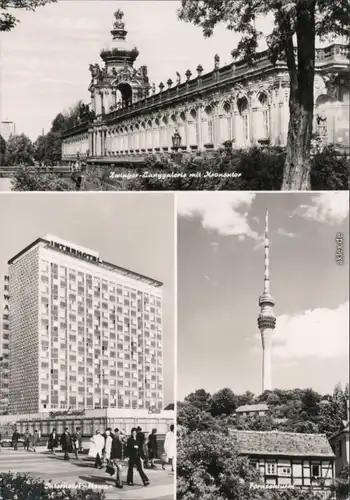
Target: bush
point(330, 171)
point(29, 179)
point(24, 487)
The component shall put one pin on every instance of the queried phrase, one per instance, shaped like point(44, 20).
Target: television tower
point(266, 318)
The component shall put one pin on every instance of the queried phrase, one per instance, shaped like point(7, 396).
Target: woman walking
point(134, 454)
point(152, 447)
point(170, 447)
point(96, 449)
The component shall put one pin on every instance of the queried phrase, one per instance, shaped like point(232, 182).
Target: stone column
point(90, 140)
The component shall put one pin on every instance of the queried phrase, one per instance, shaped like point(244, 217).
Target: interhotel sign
point(74, 251)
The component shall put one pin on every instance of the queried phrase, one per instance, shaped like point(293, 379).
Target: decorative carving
point(199, 69)
point(216, 61)
point(331, 82)
point(161, 86)
point(169, 83)
point(188, 74)
point(178, 78)
point(95, 70)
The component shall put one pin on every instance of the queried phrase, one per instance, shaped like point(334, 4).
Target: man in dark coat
point(15, 438)
point(66, 443)
point(152, 447)
point(53, 441)
point(77, 442)
point(36, 439)
point(117, 457)
point(142, 445)
point(134, 455)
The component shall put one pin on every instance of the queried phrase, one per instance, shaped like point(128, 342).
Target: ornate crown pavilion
point(118, 84)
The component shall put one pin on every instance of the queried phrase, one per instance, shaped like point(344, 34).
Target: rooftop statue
point(178, 78)
point(216, 61)
point(95, 70)
point(118, 24)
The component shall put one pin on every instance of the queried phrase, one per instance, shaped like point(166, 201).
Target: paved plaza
point(47, 467)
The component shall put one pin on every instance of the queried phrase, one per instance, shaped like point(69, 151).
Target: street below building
point(44, 466)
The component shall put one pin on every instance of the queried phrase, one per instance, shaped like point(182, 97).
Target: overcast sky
point(135, 231)
point(220, 278)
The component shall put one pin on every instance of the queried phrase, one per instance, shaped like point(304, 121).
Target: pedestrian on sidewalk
point(97, 444)
point(143, 447)
point(15, 438)
point(53, 441)
point(134, 455)
point(27, 440)
point(36, 439)
point(66, 443)
point(152, 446)
point(77, 440)
point(116, 457)
point(170, 448)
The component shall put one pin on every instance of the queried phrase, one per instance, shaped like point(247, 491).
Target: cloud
point(219, 212)
point(319, 333)
point(329, 207)
point(283, 232)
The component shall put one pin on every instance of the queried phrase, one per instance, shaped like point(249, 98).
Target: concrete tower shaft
point(266, 318)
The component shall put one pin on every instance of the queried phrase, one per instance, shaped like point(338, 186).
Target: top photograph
point(175, 95)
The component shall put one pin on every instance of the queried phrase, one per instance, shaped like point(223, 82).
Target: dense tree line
point(208, 466)
point(20, 150)
point(254, 169)
point(297, 410)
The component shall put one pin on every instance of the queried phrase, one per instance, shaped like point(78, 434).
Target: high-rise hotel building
point(84, 333)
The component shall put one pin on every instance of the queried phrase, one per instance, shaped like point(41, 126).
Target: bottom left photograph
point(87, 351)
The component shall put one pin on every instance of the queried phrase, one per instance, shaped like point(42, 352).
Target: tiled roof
point(281, 443)
point(258, 407)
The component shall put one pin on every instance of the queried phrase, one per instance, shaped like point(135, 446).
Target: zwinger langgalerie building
point(85, 340)
point(245, 104)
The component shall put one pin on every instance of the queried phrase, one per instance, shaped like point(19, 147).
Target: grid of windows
point(111, 336)
point(96, 336)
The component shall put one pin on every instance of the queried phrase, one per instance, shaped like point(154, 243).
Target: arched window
point(226, 134)
point(243, 110)
point(264, 125)
point(210, 132)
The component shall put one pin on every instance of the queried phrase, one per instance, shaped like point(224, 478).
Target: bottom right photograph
point(263, 346)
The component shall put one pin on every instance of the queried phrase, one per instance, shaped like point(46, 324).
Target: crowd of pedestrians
point(109, 450)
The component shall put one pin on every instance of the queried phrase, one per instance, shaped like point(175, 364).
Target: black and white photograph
point(263, 346)
point(87, 346)
point(174, 95)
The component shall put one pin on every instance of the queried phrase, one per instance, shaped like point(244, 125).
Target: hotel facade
point(238, 102)
point(85, 335)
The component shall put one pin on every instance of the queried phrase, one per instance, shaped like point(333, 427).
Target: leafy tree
point(333, 413)
point(2, 150)
point(209, 468)
point(8, 20)
point(223, 402)
point(170, 406)
point(301, 20)
point(30, 179)
point(193, 418)
point(245, 399)
point(19, 150)
point(330, 170)
point(342, 484)
point(48, 148)
point(199, 398)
